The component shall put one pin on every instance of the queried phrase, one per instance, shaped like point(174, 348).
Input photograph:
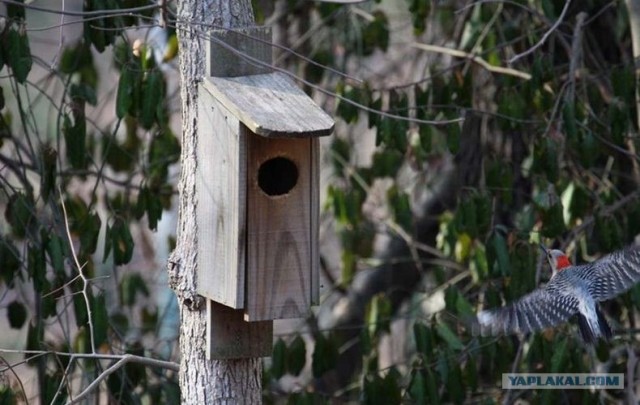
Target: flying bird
point(572, 290)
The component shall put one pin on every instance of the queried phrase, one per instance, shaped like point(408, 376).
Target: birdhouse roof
point(271, 105)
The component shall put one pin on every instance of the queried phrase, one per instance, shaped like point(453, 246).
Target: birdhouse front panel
point(282, 260)
point(221, 208)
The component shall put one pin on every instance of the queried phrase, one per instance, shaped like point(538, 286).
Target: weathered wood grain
point(230, 337)
point(271, 105)
point(315, 221)
point(221, 194)
point(250, 46)
point(279, 253)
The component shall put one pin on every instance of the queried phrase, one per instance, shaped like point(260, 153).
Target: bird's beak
point(544, 249)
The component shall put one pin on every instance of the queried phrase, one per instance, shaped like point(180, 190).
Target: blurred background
point(467, 132)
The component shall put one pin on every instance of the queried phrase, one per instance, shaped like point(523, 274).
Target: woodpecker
point(571, 290)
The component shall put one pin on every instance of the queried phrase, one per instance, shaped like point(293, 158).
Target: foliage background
point(427, 217)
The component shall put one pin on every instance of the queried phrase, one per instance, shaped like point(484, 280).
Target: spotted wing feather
point(540, 309)
point(613, 274)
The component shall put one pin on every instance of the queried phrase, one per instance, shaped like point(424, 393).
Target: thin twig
point(104, 13)
point(473, 58)
point(544, 37)
point(606, 211)
point(127, 358)
point(85, 282)
point(576, 57)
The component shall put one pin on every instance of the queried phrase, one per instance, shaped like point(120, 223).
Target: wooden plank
point(278, 233)
point(250, 44)
point(315, 221)
point(230, 337)
point(271, 105)
point(221, 209)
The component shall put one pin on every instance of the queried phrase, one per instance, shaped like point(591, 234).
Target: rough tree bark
point(202, 381)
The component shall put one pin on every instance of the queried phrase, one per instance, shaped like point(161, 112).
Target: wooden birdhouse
point(257, 182)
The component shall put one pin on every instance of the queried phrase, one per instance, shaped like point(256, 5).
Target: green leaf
point(10, 259)
point(89, 229)
point(420, 10)
point(400, 207)
point(37, 268)
point(471, 373)
point(550, 207)
point(20, 214)
point(386, 163)
point(549, 9)
point(374, 115)
point(449, 337)
point(418, 387)
point(55, 250)
point(16, 11)
point(346, 110)
point(422, 336)
point(379, 315)
point(48, 171)
point(455, 387)
point(618, 121)
point(433, 388)
point(34, 337)
point(75, 58)
point(130, 286)
point(17, 314)
point(478, 265)
point(164, 150)
point(340, 155)
point(149, 203)
point(569, 120)
point(553, 221)
point(75, 138)
point(498, 255)
point(557, 365)
point(94, 29)
point(545, 159)
point(296, 356)
point(589, 148)
point(453, 138)
point(83, 92)
point(151, 96)
point(126, 88)
point(278, 359)
point(18, 54)
point(608, 234)
point(325, 355)
point(121, 242)
point(100, 319)
point(375, 34)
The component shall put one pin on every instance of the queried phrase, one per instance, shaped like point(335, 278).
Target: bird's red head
point(562, 261)
point(557, 259)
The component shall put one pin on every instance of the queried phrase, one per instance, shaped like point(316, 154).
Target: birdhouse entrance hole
point(277, 176)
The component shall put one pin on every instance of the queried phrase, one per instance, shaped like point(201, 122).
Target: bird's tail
point(586, 331)
point(605, 329)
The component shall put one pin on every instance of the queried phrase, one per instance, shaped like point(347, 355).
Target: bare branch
point(473, 58)
point(85, 282)
point(544, 37)
point(103, 13)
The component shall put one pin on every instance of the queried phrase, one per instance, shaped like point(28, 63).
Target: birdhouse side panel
point(315, 221)
point(221, 199)
point(279, 253)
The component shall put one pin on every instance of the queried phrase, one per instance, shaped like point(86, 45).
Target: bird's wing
point(613, 274)
point(542, 308)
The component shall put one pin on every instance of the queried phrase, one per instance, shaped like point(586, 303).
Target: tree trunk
point(202, 381)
